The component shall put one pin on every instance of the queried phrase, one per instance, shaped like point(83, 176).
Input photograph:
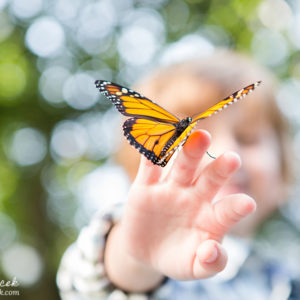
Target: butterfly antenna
point(211, 156)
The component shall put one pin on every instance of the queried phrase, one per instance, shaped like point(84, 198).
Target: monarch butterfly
point(152, 130)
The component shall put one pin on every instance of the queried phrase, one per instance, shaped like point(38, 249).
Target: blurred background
point(57, 132)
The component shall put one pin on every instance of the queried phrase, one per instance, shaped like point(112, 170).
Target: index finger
point(187, 161)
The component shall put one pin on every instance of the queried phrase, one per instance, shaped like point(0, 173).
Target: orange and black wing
point(132, 104)
point(151, 138)
point(238, 95)
point(180, 141)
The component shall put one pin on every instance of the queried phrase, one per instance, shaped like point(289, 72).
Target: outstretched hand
point(170, 222)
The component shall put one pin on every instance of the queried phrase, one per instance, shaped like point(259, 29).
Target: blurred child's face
point(246, 130)
point(260, 175)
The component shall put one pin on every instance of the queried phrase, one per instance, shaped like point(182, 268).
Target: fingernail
point(230, 162)
point(212, 257)
point(230, 154)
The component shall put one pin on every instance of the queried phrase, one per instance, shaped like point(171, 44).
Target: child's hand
point(171, 225)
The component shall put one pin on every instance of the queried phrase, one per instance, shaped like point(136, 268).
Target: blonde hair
point(227, 71)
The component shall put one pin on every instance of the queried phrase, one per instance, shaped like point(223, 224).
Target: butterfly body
point(155, 132)
point(182, 125)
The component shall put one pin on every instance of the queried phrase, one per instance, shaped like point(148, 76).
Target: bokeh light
point(275, 14)
point(66, 11)
point(90, 31)
point(79, 91)
point(190, 46)
point(26, 9)
point(137, 45)
point(22, 262)
point(269, 47)
point(28, 147)
point(3, 4)
point(97, 189)
point(140, 39)
point(45, 37)
point(52, 82)
point(103, 131)
point(69, 141)
point(145, 18)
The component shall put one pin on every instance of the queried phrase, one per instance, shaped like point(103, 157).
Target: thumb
point(210, 259)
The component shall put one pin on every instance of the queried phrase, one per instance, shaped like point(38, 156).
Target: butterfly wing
point(180, 141)
point(151, 138)
point(132, 104)
point(238, 95)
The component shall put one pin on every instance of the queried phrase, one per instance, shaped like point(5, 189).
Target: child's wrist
point(123, 269)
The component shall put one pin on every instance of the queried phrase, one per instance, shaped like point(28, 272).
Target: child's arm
point(170, 226)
